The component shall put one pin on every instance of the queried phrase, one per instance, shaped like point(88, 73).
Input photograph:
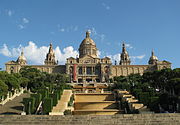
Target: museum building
point(88, 67)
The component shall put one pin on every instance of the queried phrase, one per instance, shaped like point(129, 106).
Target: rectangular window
point(80, 70)
point(89, 70)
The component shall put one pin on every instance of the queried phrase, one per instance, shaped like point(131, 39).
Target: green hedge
point(50, 88)
point(38, 98)
point(47, 105)
point(29, 104)
point(44, 93)
point(70, 103)
point(55, 98)
point(154, 104)
point(137, 92)
point(59, 93)
point(144, 98)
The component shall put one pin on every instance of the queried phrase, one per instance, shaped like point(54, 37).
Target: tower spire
point(153, 59)
point(125, 60)
point(87, 33)
point(50, 57)
point(152, 53)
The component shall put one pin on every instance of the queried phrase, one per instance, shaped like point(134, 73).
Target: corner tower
point(153, 59)
point(21, 59)
point(125, 60)
point(88, 47)
point(50, 57)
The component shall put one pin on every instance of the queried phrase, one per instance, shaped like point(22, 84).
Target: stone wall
point(124, 70)
point(125, 119)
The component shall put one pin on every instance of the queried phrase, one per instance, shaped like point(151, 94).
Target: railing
point(39, 107)
point(11, 96)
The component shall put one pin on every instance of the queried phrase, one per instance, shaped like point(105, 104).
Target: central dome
point(88, 40)
point(88, 47)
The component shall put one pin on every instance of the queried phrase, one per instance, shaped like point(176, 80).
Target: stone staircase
point(121, 119)
point(62, 103)
point(95, 104)
point(14, 106)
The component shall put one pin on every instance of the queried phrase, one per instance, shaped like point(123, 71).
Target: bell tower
point(125, 60)
point(50, 57)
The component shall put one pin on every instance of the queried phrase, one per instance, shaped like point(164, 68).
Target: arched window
point(12, 69)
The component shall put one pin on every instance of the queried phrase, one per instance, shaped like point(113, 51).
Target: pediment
point(11, 62)
point(106, 58)
point(71, 58)
point(87, 59)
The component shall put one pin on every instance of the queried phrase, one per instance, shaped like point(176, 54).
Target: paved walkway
point(14, 106)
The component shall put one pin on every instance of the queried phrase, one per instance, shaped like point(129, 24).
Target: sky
point(31, 25)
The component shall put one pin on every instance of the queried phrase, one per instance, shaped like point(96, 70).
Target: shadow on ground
point(20, 108)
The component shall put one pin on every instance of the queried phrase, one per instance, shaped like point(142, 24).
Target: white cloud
point(5, 51)
point(116, 57)
point(96, 34)
point(98, 53)
point(128, 46)
point(75, 28)
point(25, 20)
point(37, 54)
point(106, 6)
point(21, 26)
point(62, 30)
point(67, 52)
point(23, 23)
point(9, 13)
point(67, 28)
point(138, 57)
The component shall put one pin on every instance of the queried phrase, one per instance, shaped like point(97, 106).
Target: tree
point(3, 88)
point(12, 82)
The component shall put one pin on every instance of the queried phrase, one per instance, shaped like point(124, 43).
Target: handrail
point(38, 108)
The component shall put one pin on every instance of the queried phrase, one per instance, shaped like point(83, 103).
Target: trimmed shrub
point(50, 88)
point(137, 92)
point(59, 93)
point(67, 112)
point(154, 104)
point(29, 105)
point(38, 98)
point(47, 105)
point(55, 98)
point(144, 98)
point(44, 93)
point(70, 103)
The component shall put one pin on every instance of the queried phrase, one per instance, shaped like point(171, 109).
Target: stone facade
point(88, 67)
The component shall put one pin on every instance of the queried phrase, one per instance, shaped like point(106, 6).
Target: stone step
point(93, 97)
point(97, 112)
point(95, 105)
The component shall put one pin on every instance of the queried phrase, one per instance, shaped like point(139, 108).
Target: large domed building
point(88, 67)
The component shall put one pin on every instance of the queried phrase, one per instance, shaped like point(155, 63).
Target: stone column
point(85, 70)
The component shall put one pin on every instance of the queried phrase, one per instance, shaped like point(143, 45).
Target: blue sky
point(143, 25)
